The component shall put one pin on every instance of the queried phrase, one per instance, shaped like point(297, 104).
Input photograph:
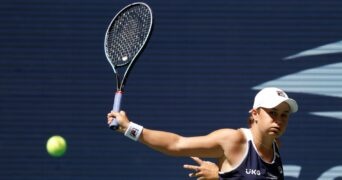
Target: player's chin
point(276, 132)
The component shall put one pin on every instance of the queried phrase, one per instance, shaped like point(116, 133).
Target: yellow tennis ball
point(56, 146)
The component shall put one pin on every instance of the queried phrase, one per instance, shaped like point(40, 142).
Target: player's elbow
point(178, 148)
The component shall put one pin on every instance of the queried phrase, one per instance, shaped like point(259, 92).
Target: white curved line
point(331, 48)
point(292, 170)
point(329, 114)
point(324, 80)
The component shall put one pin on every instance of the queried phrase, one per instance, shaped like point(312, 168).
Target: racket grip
point(114, 125)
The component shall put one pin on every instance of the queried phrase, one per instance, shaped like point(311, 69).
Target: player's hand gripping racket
point(125, 39)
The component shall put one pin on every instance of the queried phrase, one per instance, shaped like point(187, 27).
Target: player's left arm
point(204, 170)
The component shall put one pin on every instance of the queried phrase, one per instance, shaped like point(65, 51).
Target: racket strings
point(128, 34)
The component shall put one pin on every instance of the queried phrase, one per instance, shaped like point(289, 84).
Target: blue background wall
point(200, 71)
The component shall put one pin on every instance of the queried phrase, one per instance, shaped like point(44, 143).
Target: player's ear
point(254, 113)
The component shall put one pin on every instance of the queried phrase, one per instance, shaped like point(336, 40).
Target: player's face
point(274, 120)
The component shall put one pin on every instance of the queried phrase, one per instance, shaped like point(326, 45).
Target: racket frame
point(120, 82)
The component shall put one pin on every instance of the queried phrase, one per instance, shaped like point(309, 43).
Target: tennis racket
point(125, 38)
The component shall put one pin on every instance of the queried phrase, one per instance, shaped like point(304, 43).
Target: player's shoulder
point(231, 135)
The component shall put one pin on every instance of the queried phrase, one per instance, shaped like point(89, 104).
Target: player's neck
point(263, 145)
point(262, 142)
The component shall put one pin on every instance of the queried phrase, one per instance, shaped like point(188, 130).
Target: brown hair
point(250, 120)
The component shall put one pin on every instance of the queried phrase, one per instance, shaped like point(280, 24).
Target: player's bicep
point(210, 145)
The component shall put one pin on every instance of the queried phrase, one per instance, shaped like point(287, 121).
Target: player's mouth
point(275, 129)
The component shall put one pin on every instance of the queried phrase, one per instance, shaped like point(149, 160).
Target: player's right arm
point(173, 144)
point(211, 145)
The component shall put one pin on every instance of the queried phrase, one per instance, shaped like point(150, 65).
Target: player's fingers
point(123, 112)
point(196, 159)
point(191, 167)
point(109, 118)
point(112, 114)
point(208, 162)
point(197, 174)
point(192, 175)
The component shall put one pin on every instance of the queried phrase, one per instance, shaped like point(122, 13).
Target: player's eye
point(273, 113)
point(284, 115)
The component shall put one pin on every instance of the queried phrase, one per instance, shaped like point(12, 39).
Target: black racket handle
point(114, 125)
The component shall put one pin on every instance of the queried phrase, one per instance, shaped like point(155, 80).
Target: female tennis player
point(241, 153)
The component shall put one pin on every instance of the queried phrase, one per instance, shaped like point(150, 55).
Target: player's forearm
point(161, 141)
point(165, 142)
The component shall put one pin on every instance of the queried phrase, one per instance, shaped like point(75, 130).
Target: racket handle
point(114, 125)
